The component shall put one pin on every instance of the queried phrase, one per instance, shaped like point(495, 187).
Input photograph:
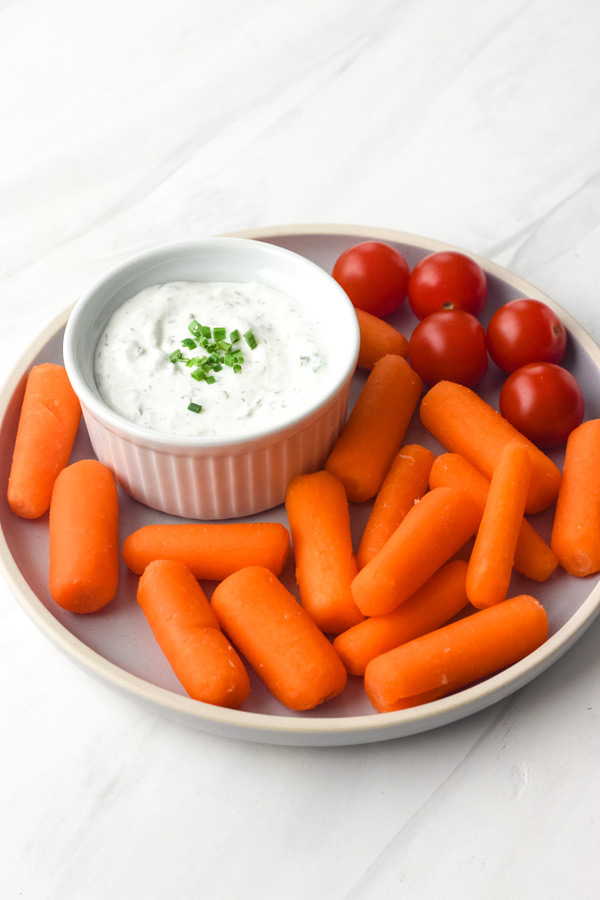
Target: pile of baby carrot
point(439, 547)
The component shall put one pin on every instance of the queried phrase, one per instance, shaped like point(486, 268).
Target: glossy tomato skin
point(374, 275)
point(525, 331)
point(544, 402)
point(449, 346)
point(447, 280)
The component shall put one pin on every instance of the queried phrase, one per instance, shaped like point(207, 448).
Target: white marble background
point(126, 124)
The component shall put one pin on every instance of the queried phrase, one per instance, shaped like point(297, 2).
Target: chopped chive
point(250, 339)
point(218, 351)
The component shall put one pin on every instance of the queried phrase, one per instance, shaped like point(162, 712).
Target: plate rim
point(307, 729)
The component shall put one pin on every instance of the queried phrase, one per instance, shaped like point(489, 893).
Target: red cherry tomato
point(544, 402)
point(525, 331)
point(447, 280)
point(449, 346)
point(374, 275)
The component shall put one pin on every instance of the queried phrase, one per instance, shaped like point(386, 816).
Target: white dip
point(136, 377)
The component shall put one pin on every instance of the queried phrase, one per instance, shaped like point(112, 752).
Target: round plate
point(116, 644)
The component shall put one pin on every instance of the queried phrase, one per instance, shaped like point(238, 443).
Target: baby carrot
point(466, 424)
point(491, 562)
point(430, 533)
point(187, 631)
point(46, 432)
point(319, 518)
point(456, 655)
point(375, 428)
point(278, 638)
point(440, 598)
point(212, 551)
point(378, 338)
point(404, 484)
point(533, 557)
point(84, 548)
point(576, 529)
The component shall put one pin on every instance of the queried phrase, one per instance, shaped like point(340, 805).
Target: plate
point(116, 644)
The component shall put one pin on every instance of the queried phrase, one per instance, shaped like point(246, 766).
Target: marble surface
point(125, 125)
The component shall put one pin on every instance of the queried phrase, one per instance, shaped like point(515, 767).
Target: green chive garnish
point(250, 339)
point(218, 350)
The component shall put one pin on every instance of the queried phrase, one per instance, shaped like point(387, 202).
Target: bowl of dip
point(212, 372)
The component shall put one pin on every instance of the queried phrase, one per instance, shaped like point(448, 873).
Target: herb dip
point(137, 378)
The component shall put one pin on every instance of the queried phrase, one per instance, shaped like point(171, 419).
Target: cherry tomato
point(374, 275)
point(449, 346)
point(447, 280)
point(543, 401)
point(525, 331)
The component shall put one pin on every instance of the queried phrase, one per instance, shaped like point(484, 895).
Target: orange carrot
point(440, 598)
point(212, 551)
point(375, 428)
point(46, 432)
point(404, 484)
point(491, 562)
point(576, 529)
point(278, 638)
point(434, 529)
point(533, 557)
point(84, 539)
point(466, 424)
point(456, 655)
point(319, 518)
point(378, 338)
point(188, 633)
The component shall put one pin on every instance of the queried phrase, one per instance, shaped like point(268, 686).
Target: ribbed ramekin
point(200, 477)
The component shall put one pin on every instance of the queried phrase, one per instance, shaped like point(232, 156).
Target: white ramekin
point(202, 478)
